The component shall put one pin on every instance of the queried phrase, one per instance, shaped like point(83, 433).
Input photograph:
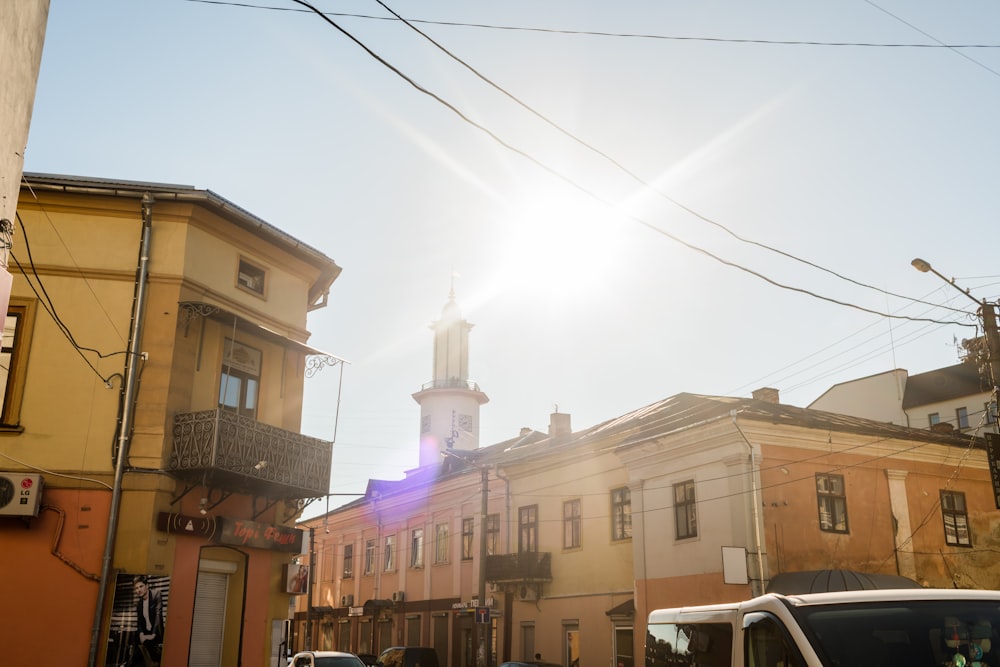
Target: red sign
point(246, 533)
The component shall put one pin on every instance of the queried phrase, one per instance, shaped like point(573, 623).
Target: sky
point(630, 199)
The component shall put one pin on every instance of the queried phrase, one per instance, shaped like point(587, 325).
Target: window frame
point(621, 513)
point(527, 529)
point(246, 374)
point(348, 569)
point(371, 551)
point(10, 411)
point(492, 534)
point(572, 524)
point(685, 510)
point(933, 418)
point(389, 555)
point(959, 518)
point(416, 548)
point(468, 537)
point(962, 417)
point(832, 503)
point(441, 543)
point(247, 272)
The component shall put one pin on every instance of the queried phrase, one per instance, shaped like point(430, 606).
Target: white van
point(870, 628)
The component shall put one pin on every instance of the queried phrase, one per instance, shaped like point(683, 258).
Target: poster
point(138, 613)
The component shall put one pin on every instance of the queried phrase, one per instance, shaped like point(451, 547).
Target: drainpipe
point(126, 411)
point(755, 499)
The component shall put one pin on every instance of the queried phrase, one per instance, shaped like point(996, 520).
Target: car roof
point(327, 654)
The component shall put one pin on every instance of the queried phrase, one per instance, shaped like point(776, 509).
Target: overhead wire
point(627, 35)
point(569, 181)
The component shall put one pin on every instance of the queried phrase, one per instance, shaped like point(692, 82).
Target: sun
point(559, 246)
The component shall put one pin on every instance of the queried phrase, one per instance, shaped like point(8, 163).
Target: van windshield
point(911, 634)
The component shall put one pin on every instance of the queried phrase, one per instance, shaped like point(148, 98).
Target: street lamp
point(987, 314)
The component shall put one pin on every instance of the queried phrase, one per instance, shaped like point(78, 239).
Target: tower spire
point(449, 403)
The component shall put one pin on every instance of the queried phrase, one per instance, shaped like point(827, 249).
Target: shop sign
point(245, 533)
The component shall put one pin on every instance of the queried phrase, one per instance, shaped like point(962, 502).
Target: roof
point(663, 418)
point(187, 193)
point(943, 384)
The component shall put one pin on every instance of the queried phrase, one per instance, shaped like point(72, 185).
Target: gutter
point(755, 501)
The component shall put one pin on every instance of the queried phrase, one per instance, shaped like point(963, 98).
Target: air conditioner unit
point(527, 593)
point(20, 494)
point(398, 596)
point(346, 600)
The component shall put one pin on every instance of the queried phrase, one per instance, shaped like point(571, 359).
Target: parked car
point(368, 658)
point(325, 659)
point(408, 656)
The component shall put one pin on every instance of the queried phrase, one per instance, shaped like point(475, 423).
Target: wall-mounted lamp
point(203, 506)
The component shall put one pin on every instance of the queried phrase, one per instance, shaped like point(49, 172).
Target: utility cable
point(627, 35)
point(595, 196)
point(631, 174)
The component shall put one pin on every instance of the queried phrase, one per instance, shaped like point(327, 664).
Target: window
point(527, 529)
point(685, 516)
point(14, 357)
point(441, 543)
point(493, 534)
point(933, 418)
point(468, 537)
point(390, 553)
point(991, 412)
point(240, 378)
point(348, 561)
point(621, 513)
point(956, 519)
point(832, 502)
point(250, 277)
point(369, 556)
point(571, 524)
point(417, 547)
point(962, 417)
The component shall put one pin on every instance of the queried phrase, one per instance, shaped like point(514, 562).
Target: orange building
point(154, 359)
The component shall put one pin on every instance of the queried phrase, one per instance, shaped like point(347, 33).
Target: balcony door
point(240, 381)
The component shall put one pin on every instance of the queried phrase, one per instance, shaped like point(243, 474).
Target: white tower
point(449, 403)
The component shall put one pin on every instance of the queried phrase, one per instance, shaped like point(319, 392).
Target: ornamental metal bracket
point(317, 362)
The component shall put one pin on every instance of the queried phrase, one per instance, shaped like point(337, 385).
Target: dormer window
point(251, 277)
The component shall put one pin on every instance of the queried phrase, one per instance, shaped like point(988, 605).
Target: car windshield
point(338, 661)
point(916, 634)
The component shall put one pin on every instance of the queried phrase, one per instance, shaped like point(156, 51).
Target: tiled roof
point(943, 384)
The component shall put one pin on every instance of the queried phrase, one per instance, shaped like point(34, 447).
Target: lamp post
point(987, 314)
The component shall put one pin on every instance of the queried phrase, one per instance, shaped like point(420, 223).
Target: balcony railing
point(524, 567)
point(238, 454)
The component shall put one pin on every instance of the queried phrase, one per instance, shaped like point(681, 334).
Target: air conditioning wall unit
point(527, 592)
point(346, 600)
point(20, 494)
point(398, 596)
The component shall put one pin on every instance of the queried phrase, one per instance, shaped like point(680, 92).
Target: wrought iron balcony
point(237, 454)
point(526, 567)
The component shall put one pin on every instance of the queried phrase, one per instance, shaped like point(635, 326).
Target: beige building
point(691, 500)
point(952, 398)
point(154, 359)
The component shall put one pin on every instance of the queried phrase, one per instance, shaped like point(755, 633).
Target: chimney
point(559, 424)
point(766, 394)
point(525, 430)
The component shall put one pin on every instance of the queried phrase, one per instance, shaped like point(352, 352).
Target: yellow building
point(154, 358)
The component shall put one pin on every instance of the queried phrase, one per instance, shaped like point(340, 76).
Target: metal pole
point(125, 427)
point(483, 629)
point(992, 340)
point(309, 594)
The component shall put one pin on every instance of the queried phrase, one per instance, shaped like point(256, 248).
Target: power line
point(626, 35)
point(566, 179)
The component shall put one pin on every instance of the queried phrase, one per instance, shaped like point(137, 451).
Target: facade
point(953, 398)
point(692, 500)
point(154, 362)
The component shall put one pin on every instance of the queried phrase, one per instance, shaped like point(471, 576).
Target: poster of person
point(137, 620)
point(297, 579)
